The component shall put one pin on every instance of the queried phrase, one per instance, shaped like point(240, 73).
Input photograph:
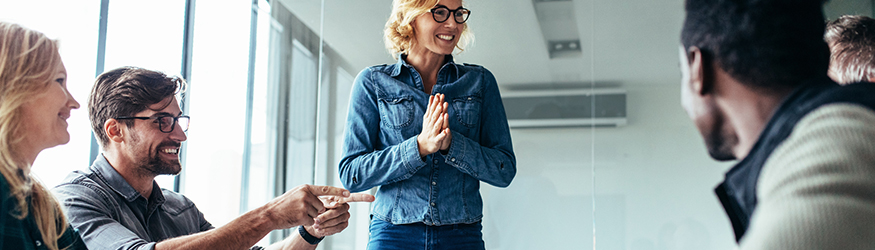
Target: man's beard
point(153, 164)
point(158, 166)
point(720, 140)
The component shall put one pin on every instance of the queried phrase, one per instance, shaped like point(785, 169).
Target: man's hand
point(301, 205)
point(337, 217)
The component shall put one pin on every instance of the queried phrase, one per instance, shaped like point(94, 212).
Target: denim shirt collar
point(402, 63)
point(118, 183)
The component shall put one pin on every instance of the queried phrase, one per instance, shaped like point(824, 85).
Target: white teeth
point(445, 37)
point(170, 150)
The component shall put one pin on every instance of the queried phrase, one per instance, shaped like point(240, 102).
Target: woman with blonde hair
point(426, 131)
point(34, 107)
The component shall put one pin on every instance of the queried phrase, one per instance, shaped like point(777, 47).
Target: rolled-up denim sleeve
point(90, 214)
point(366, 163)
point(492, 159)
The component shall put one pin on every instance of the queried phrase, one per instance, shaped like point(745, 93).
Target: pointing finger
point(358, 197)
point(332, 202)
point(327, 190)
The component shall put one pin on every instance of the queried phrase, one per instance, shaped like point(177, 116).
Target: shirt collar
point(118, 183)
point(402, 62)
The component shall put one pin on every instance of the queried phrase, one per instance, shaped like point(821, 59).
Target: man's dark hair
point(851, 41)
point(126, 91)
point(765, 44)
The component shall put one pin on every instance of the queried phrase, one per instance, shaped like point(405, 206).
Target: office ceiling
point(622, 41)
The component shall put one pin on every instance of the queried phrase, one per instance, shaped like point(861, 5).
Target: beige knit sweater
point(817, 189)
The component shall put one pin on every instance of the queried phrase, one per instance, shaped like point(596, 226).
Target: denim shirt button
point(38, 243)
point(432, 204)
point(435, 161)
point(433, 183)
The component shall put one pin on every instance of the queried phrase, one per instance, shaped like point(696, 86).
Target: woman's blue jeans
point(387, 236)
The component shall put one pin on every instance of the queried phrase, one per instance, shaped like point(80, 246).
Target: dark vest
point(737, 193)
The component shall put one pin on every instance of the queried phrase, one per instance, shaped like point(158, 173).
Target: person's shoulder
point(4, 190)
point(79, 177)
point(371, 76)
point(81, 183)
point(834, 125)
point(473, 67)
point(378, 69)
point(176, 203)
point(4, 185)
point(833, 138)
point(470, 68)
point(838, 116)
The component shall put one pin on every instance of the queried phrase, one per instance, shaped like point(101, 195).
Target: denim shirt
point(386, 107)
point(110, 214)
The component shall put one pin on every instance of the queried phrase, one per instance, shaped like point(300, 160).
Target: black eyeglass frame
point(157, 119)
point(434, 16)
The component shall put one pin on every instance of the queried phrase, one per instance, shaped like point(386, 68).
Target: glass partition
point(77, 35)
point(134, 37)
point(606, 157)
point(626, 170)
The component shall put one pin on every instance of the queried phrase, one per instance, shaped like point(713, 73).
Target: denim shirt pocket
point(396, 112)
point(467, 109)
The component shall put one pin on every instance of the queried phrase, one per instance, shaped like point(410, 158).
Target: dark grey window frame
point(185, 72)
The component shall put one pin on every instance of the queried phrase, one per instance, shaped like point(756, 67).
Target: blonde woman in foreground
point(34, 107)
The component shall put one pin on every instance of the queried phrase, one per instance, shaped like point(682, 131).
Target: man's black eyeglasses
point(442, 13)
point(166, 123)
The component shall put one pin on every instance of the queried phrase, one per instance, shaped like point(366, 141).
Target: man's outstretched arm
point(299, 206)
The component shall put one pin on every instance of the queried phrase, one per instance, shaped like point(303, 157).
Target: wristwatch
point(309, 237)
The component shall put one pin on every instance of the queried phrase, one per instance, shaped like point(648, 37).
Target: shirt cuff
point(411, 154)
point(455, 156)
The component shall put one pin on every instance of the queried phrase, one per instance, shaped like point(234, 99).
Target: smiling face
point(718, 134)
point(45, 115)
point(156, 152)
point(434, 37)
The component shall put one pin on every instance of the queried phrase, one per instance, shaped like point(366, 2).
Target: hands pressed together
point(435, 133)
point(323, 210)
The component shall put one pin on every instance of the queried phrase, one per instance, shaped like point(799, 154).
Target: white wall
point(836, 8)
point(653, 186)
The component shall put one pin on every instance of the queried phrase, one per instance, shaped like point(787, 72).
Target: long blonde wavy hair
point(27, 63)
point(398, 33)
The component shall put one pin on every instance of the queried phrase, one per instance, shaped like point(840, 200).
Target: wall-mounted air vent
point(564, 108)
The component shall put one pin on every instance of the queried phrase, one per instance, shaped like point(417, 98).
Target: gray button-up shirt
point(110, 214)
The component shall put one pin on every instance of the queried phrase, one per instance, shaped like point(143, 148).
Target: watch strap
point(309, 237)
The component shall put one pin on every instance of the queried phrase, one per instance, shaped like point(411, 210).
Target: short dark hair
point(126, 91)
point(851, 41)
point(766, 44)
